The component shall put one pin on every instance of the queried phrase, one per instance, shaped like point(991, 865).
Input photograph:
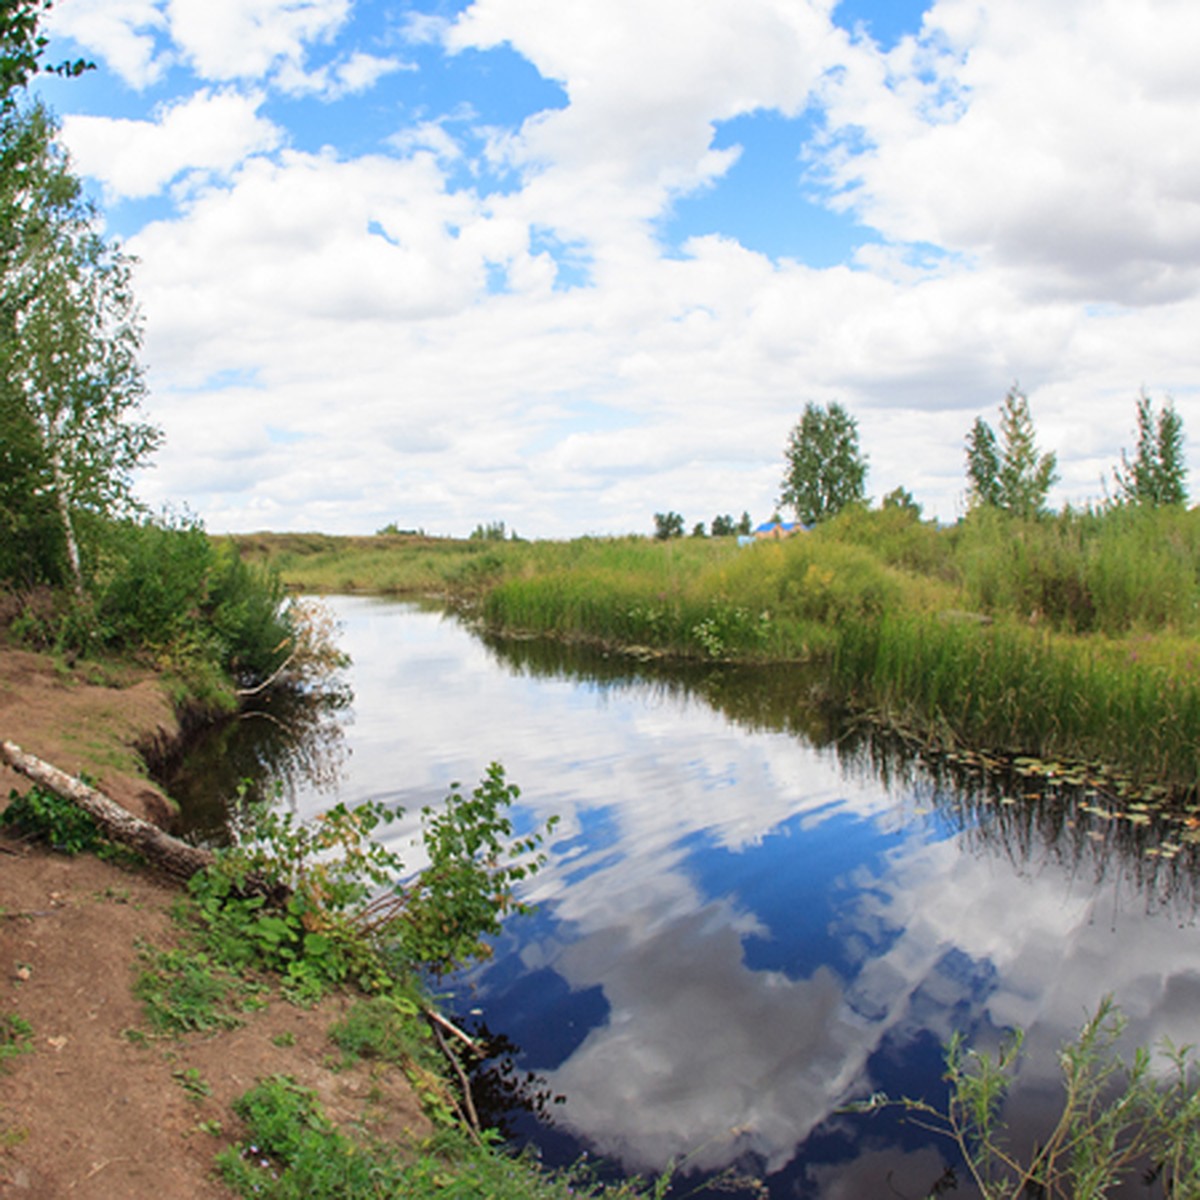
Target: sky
point(568, 263)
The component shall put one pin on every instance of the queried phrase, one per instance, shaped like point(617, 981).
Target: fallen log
point(169, 854)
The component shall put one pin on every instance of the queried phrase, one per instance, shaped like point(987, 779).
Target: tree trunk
point(64, 513)
point(168, 853)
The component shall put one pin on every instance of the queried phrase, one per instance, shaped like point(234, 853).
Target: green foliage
point(192, 1082)
point(347, 915)
point(152, 582)
point(387, 1027)
point(185, 989)
point(294, 1152)
point(1009, 473)
point(16, 1036)
point(1114, 572)
point(469, 886)
point(723, 526)
point(494, 531)
point(69, 341)
point(22, 45)
point(1157, 476)
point(668, 525)
point(825, 471)
point(48, 817)
point(1116, 1118)
point(902, 499)
point(246, 612)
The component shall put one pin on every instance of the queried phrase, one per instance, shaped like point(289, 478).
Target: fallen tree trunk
point(119, 825)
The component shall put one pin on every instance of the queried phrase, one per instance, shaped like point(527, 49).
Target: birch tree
point(1009, 472)
point(70, 335)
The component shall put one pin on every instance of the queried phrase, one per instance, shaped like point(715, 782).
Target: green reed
point(1025, 691)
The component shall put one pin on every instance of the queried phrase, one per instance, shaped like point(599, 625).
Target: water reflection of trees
point(277, 745)
point(1035, 820)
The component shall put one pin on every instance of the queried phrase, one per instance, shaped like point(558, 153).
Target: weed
point(1116, 1118)
point(184, 990)
point(192, 1082)
point(16, 1036)
point(48, 817)
point(287, 1038)
point(293, 1150)
point(385, 1027)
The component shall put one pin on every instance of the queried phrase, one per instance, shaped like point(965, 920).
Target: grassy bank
point(1071, 637)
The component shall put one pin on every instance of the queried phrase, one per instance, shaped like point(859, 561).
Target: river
point(751, 914)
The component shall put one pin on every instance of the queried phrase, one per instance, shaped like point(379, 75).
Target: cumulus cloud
point(503, 283)
point(1051, 142)
point(126, 34)
point(357, 73)
point(209, 132)
point(645, 85)
point(244, 39)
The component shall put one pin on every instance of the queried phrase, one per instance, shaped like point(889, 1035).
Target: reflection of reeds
point(1033, 813)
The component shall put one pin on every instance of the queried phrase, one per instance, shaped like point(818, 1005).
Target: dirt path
point(90, 1112)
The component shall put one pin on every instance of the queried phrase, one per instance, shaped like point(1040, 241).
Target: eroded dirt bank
point(94, 1109)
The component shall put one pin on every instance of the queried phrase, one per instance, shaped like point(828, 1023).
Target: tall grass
point(1115, 572)
point(1023, 691)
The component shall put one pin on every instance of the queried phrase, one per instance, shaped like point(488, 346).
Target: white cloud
point(645, 85)
point(347, 77)
point(1050, 141)
point(1035, 215)
point(247, 39)
point(207, 132)
point(124, 33)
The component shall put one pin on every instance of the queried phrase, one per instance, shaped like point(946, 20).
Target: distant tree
point(668, 525)
point(1008, 473)
point(494, 531)
point(70, 334)
point(744, 527)
point(902, 499)
point(1157, 477)
point(825, 470)
point(698, 529)
point(723, 526)
point(983, 465)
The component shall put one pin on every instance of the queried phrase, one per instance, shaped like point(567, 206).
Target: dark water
point(752, 914)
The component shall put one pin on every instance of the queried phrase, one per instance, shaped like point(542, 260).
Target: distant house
point(778, 530)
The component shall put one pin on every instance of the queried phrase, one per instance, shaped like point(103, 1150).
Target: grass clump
point(186, 990)
point(292, 1151)
point(16, 1036)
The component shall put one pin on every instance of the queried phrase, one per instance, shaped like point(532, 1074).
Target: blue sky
point(565, 263)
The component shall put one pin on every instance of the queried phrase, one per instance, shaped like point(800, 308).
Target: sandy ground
point(90, 1112)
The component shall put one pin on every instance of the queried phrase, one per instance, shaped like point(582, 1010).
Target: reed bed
point(1023, 691)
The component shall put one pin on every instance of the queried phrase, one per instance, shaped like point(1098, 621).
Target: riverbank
point(155, 1043)
point(94, 1105)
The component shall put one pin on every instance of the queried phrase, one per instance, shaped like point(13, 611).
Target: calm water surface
point(749, 917)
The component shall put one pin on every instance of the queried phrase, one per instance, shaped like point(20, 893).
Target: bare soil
point(91, 1112)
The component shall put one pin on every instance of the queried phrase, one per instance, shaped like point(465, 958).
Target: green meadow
point(1069, 638)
